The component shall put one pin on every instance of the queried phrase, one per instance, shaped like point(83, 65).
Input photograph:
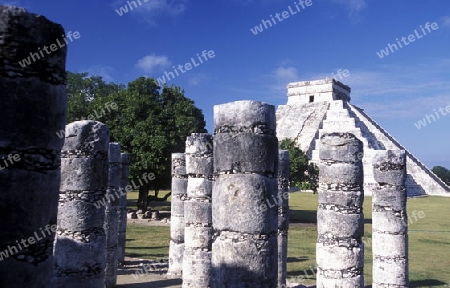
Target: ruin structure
point(125, 164)
point(283, 215)
point(197, 211)
point(80, 246)
point(177, 224)
point(111, 224)
point(244, 214)
point(34, 103)
point(322, 106)
point(340, 219)
point(389, 220)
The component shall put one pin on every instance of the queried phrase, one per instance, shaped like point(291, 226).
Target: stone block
point(340, 147)
point(199, 187)
point(339, 258)
point(340, 225)
point(246, 153)
point(252, 197)
point(241, 114)
point(198, 237)
point(197, 212)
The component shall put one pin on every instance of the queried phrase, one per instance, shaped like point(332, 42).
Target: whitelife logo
point(53, 47)
point(284, 15)
point(188, 66)
point(411, 38)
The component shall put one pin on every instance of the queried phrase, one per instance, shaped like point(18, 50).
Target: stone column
point(81, 242)
point(125, 158)
point(244, 208)
point(389, 220)
point(179, 190)
point(33, 109)
point(111, 224)
point(197, 211)
point(340, 220)
point(283, 215)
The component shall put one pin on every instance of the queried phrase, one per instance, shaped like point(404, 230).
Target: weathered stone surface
point(340, 258)
point(246, 152)
point(177, 223)
point(199, 187)
point(201, 165)
point(389, 271)
point(179, 186)
point(244, 116)
point(356, 281)
point(34, 104)
point(197, 212)
point(176, 252)
point(389, 167)
point(340, 225)
point(340, 147)
point(341, 173)
point(198, 237)
point(197, 266)
point(352, 199)
point(254, 264)
point(252, 197)
point(80, 244)
point(340, 222)
point(283, 214)
point(244, 204)
point(387, 196)
point(178, 165)
point(389, 220)
point(177, 205)
point(125, 164)
point(177, 229)
point(111, 224)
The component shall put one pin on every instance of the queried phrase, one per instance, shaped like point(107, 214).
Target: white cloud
point(354, 7)
point(151, 9)
point(445, 21)
point(287, 74)
point(197, 79)
point(412, 108)
point(151, 63)
point(103, 71)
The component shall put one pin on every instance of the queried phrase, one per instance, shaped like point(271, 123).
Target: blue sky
point(396, 90)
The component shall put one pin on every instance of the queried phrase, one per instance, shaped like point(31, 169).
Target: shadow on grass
point(303, 216)
point(426, 283)
point(297, 259)
point(148, 247)
point(155, 284)
point(142, 255)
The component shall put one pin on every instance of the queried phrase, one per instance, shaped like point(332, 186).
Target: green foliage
point(442, 173)
point(150, 122)
point(85, 94)
point(303, 175)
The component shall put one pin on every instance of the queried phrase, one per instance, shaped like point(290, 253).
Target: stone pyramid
point(323, 106)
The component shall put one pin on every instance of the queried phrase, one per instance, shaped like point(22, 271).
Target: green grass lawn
point(429, 239)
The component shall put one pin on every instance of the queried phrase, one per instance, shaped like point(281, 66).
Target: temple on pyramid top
point(323, 106)
point(317, 91)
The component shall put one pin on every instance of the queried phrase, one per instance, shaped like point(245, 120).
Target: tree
point(150, 123)
point(303, 174)
point(82, 91)
point(443, 173)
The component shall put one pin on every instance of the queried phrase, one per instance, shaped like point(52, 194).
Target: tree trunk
point(142, 202)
